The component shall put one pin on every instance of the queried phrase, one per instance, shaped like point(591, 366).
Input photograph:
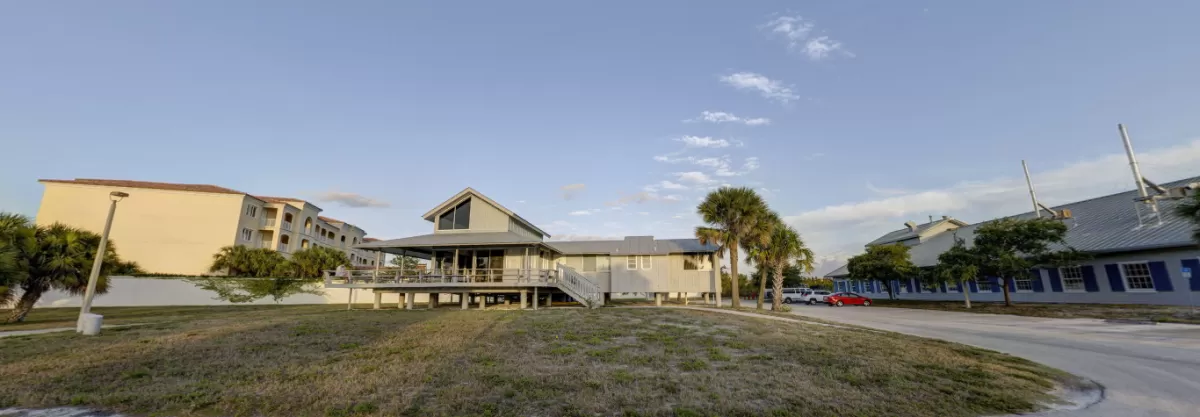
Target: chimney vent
point(912, 226)
point(945, 217)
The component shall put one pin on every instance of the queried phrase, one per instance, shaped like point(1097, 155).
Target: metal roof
point(1107, 224)
point(632, 245)
point(907, 233)
point(453, 239)
point(472, 192)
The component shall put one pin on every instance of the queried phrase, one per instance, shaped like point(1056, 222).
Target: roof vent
point(945, 217)
point(912, 226)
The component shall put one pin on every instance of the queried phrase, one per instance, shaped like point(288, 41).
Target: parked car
point(847, 298)
point(790, 295)
point(814, 296)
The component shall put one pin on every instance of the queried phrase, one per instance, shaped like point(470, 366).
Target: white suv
point(790, 295)
point(814, 296)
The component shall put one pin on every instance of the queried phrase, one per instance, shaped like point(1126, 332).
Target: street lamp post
point(115, 196)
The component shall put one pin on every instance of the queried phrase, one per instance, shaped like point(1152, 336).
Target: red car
point(847, 298)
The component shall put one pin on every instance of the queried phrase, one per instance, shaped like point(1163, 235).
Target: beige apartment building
point(176, 228)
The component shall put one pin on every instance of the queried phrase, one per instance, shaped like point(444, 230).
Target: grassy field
point(325, 361)
point(1165, 314)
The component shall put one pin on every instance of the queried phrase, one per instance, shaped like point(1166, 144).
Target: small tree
point(17, 241)
point(882, 263)
point(1008, 248)
point(409, 263)
point(735, 216)
point(61, 258)
point(242, 261)
point(784, 248)
point(957, 266)
point(308, 263)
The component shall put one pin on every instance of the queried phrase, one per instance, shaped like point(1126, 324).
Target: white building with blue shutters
point(1132, 261)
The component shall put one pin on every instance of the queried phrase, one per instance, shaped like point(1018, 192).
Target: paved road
point(1146, 370)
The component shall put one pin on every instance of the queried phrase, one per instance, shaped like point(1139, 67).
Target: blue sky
point(851, 117)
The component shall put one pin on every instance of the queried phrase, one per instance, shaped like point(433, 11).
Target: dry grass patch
point(1158, 313)
point(648, 362)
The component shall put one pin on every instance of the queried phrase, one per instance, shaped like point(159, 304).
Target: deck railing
point(442, 276)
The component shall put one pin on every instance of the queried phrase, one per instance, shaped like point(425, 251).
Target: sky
point(605, 119)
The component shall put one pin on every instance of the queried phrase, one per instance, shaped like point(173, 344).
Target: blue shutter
point(1194, 264)
point(909, 285)
point(875, 285)
point(1056, 280)
point(943, 287)
point(1089, 278)
point(1162, 278)
point(917, 286)
point(895, 286)
point(1114, 277)
point(959, 286)
point(1036, 276)
point(971, 284)
point(995, 284)
point(1012, 285)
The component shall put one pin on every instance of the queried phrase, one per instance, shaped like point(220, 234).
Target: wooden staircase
point(579, 287)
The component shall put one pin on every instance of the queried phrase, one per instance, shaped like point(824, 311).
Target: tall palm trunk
point(25, 305)
point(762, 290)
point(733, 276)
point(777, 288)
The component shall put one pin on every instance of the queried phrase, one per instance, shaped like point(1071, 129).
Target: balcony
point(286, 225)
point(266, 223)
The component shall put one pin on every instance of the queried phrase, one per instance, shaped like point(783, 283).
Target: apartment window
point(458, 217)
point(1024, 284)
point(589, 263)
point(952, 287)
point(984, 284)
point(696, 262)
point(631, 262)
point(647, 261)
point(1072, 278)
point(602, 263)
point(251, 210)
point(1137, 276)
point(929, 287)
point(247, 234)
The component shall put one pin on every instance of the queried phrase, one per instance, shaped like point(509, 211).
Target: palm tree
point(308, 263)
point(61, 259)
point(784, 247)
point(757, 247)
point(234, 260)
point(733, 215)
point(1191, 210)
point(16, 241)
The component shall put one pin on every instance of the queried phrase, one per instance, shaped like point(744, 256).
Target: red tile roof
point(199, 188)
point(330, 219)
point(370, 239)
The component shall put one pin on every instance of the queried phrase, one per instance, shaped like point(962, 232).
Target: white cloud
point(571, 190)
point(798, 33)
point(840, 230)
point(723, 117)
point(587, 212)
point(667, 185)
point(350, 199)
point(750, 164)
point(768, 88)
point(702, 142)
point(694, 177)
point(724, 170)
point(672, 197)
point(643, 213)
point(521, 201)
point(637, 198)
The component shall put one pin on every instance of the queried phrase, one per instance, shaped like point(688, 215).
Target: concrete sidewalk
point(55, 330)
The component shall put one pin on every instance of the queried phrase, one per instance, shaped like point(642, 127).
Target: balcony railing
point(268, 223)
point(286, 226)
point(392, 275)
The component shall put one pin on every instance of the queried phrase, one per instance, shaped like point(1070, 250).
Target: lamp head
point(117, 195)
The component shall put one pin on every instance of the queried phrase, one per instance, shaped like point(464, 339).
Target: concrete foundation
point(464, 297)
point(378, 300)
point(523, 294)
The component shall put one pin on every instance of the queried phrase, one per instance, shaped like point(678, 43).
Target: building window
point(1024, 284)
point(247, 234)
point(1072, 278)
point(456, 218)
point(903, 287)
point(696, 262)
point(631, 262)
point(647, 261)
point(251, 210)
point(602, 263)
point(1137, 276)
point(927, 287)
point(589, 263)
point(952, 287)
point(984, 284)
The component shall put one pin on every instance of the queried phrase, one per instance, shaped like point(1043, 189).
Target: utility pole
point(1037, 211)
point(98, 262)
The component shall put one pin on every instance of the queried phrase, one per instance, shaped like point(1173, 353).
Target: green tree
point(17, 240)
point(409, 263)
point(309, 263)
point(818, 283)
point(1190, 210)
point(245, 290)
point(784, 248)
point(734, 217)
point(242, 261)
point(883, 263)
point(757, 251)
point(61, 259)
point(1008, 248)
point(957, 266)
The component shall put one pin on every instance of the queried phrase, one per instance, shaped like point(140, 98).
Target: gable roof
point(471, 192)
point(1100, 225)
point(907, 233)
